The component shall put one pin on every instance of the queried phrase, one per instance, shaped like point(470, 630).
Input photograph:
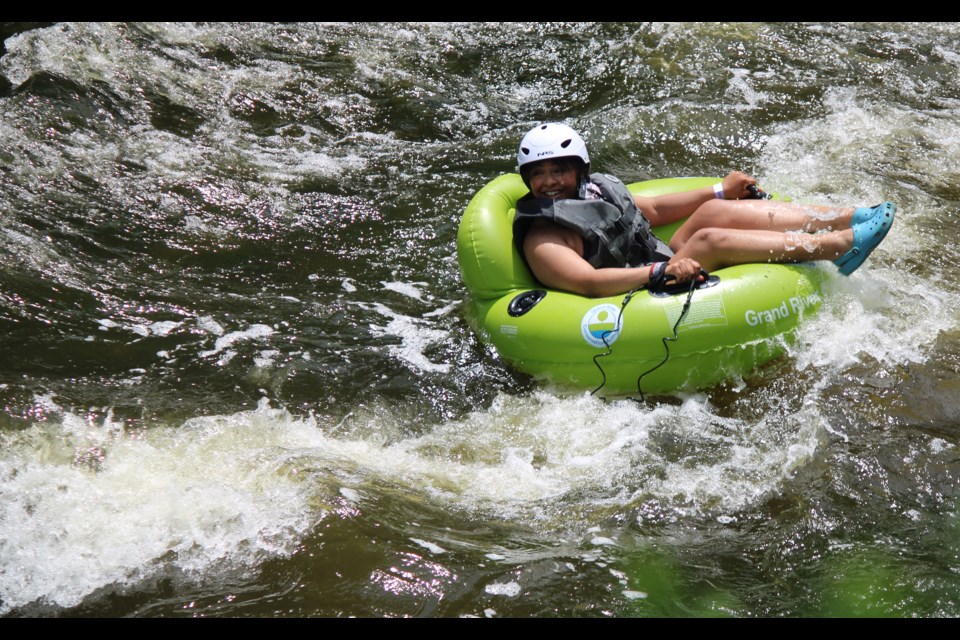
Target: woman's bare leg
point(761, 215)
point(715, 248)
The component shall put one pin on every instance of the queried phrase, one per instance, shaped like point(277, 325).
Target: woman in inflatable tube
point(569, 283)
point(556, 231)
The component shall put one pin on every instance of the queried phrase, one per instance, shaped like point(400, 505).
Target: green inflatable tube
point(738, 323)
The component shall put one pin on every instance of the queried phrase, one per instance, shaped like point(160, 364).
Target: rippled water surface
point(237, 372)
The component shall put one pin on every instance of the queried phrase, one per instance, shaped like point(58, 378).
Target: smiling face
point(554, 179)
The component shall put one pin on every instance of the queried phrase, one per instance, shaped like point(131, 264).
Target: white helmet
point(551, 140)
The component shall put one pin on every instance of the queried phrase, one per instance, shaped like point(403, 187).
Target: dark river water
point(237, 373)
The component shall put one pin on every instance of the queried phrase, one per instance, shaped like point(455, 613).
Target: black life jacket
point(614, 231)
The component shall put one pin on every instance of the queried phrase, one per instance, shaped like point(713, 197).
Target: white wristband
point(718, 190)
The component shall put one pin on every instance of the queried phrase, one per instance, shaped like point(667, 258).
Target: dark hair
point(567, 162)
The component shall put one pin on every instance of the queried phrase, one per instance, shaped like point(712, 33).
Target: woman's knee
point(709, 218)
point(709, 239)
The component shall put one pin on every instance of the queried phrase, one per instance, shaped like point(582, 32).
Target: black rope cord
point(605, 334)
point(666, 339)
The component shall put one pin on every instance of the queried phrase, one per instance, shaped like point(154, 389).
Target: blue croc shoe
point(865, 213)
point(868, 231)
